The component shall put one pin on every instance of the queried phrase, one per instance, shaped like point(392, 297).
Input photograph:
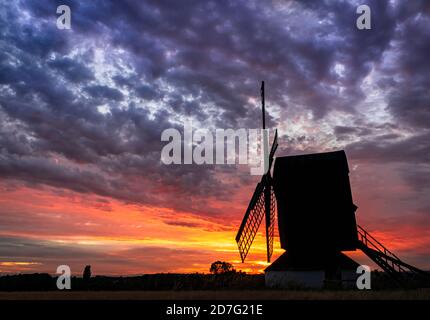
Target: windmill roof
point(315, 160)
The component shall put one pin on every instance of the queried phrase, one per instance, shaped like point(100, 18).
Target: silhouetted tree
point(87, 273)
point(219, 267)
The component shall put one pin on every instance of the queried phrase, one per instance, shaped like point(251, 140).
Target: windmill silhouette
point(316, 220)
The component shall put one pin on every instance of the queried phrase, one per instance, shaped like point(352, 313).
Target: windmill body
point(315, 208)
point(316, 220)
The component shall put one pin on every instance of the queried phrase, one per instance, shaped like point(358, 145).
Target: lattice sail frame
point(270, 224)
point(252, 220)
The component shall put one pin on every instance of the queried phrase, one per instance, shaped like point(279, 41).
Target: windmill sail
point(262, 204)
point(270, 202)
point(270, 209)
point(251, 221)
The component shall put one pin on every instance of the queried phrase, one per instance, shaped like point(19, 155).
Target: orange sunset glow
point(119, 238)
point(82, 113)
point(112, 230)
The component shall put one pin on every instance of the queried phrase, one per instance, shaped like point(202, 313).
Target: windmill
point(316, 221)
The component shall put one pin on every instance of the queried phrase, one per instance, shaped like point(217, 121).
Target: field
point(418, 294)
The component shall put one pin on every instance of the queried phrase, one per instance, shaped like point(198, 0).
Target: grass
point(418, 294)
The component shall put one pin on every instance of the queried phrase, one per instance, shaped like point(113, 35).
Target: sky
point(82, 112)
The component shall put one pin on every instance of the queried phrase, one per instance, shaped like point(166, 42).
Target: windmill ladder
point(404, 274)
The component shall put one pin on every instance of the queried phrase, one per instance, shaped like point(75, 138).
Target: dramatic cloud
point(82, 110)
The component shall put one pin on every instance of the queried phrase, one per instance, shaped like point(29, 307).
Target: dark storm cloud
point(409, 98)
point(104, 92)
point(419, 178)
point(340, 131)
point(195, 59)
point(123, 146)
point(413, 154)
point(40, 170)
point(143, 259)
point(17, 247)
point(146, 92)
point(414, 150)
point(404, 80)
point(412, 106)
point(73, 70)
point(221, 53)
